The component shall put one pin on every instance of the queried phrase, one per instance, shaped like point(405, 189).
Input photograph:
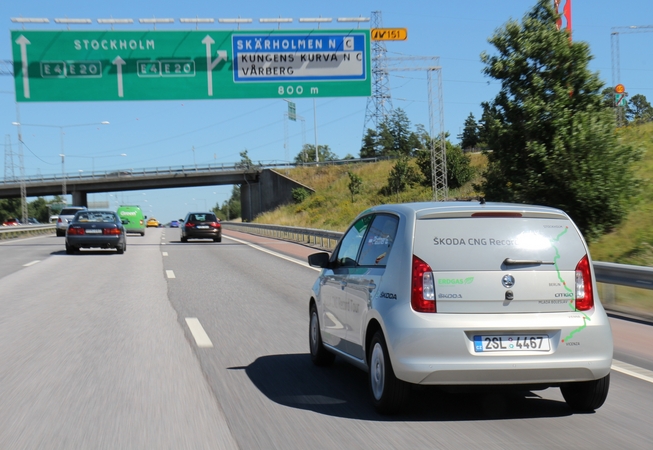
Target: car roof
point(426, 210)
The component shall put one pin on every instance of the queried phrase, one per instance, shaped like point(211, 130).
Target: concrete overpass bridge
point(262, 187)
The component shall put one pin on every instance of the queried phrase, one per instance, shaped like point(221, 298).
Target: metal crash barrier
point(13, 232)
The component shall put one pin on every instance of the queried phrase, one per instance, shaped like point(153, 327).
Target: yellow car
point(152, 223)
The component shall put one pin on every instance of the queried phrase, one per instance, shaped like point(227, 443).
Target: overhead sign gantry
point(53, 66)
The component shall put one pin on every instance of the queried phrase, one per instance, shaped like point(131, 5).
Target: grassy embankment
point(331, 208)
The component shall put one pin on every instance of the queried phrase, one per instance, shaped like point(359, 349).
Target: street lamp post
point(63, 152)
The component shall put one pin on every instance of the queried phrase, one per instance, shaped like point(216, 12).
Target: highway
point(96, 351)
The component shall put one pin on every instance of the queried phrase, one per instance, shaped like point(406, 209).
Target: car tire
point(120, 249)
point(184, 239)
point(69, 249)
point(60, 233)
point(586, 395)
point(218, 239)
point(319, 355)
point(388, 392)
point(142, 233)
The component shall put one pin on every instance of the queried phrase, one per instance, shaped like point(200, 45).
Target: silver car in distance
point(463, 294)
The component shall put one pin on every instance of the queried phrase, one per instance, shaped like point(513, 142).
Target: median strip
point(201, 338)
point(633, 371)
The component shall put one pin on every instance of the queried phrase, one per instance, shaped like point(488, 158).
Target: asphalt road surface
point(205, 345)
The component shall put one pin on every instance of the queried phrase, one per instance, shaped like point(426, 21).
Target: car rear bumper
point(94, 241)
point(202, 234)
point(440, 349)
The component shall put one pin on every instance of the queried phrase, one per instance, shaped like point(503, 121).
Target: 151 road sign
point(389, 34)
point(51, 66)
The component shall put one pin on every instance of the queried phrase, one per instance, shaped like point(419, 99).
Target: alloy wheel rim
point(377, 371)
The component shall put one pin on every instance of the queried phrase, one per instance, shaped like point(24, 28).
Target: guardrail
point(633, 279)
point(12, 232)
point(623, 288)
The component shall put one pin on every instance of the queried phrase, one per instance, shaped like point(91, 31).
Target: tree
point(469, 138)
point(402, 175)
point(393, 138)
point(459, 169)
point(369, 149)
point(245, 161)
point(230, 209)
point(307, 155)
point(639, 110)
point(355, 184)
point(553, 141)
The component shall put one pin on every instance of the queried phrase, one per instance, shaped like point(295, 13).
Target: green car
point(136, 219)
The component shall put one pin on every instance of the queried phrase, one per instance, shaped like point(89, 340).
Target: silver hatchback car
point(463, 293)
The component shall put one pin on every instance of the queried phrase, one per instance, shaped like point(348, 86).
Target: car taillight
point(422, 297)
point(140, 221)
point(59, 220)
point(189, 225)
point(78, 231)
point(111, 231)
point(584, 294)
point(214, 225)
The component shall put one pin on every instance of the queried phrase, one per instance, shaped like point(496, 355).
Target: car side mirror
point(321, 260)
point(125, 221)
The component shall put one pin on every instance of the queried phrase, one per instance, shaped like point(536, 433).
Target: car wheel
point(120, 249)
point(70, 250)
point(218, 239)
point(184, 239)
point(388, 392)
point(60, 233)
point(142, 233)
point(319, 355)
point(586, 395)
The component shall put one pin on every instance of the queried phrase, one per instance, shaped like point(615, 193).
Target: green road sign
point(54, 66)
point(620, 99)
point(292, 111)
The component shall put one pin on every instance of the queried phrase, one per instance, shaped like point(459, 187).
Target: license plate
point(93, 231)
point(202, 227)
point(511, 343)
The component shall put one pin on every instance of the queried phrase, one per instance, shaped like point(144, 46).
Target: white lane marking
point(170, 274)
point(31, 263)
point(163, 243)
point(633, 371)
point(278, 255)
point(164, 253)
point(201, 338)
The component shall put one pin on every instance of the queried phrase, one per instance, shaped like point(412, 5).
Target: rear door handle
point(371, 286)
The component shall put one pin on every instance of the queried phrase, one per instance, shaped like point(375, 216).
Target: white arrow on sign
point(210, 64)
point(23, 42)
point(119, 62)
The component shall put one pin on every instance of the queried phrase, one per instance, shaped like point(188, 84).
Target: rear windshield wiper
point(525, 262)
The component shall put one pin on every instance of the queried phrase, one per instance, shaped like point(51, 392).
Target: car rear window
point(96, 217)
point(485, 243)
point(202, 218)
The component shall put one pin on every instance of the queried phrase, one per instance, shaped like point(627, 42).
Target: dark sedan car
point(96, 229)
point(201, 225)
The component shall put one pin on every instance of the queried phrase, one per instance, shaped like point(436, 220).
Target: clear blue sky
point(163, 133)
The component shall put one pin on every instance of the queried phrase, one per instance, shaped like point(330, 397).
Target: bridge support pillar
point(80, 198)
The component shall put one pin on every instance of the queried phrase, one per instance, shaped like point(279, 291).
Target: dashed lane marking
point(170, 274)
point(31, 263)
point(164, 253)
point(201, 338)
point(633, 371)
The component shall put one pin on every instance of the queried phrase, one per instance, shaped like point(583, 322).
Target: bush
point(300, 194)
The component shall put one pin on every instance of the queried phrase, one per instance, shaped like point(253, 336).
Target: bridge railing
point(622, 287)
point(168, 170)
